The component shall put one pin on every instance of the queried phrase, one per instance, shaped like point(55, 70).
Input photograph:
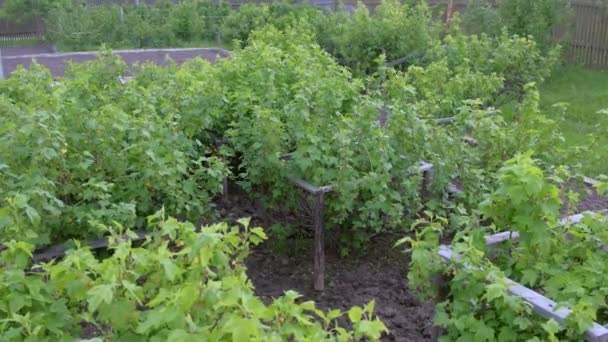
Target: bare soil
point(55, 62)
point(589, 199)
point(378, 273)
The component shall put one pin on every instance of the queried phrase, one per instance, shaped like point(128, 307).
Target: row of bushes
point(536, 18)
point(110, 152)
point(355, 39)
point(77, 26)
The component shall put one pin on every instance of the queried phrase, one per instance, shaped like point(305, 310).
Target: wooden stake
point(427, 180)
point(448, 14)
point(225, 190)
point(319, 244)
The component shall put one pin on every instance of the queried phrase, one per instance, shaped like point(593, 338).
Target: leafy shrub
point(91, 160)
point(550, 256)
point(194, 287)
point(78, 26)
point(240, 23)
point(395, 30)
point(282, 15)
point(281, 92)
point(517, 60)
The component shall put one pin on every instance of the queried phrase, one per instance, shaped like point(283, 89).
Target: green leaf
point(333, 314)
point(99, 294)
point(551, 327)
point(484, 333)
point(259, 232)
point(355, 314)
point(170, 268)
point(244, 221)
point(369, 307)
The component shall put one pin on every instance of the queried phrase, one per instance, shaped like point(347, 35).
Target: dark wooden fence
point(26, 29)
point(587, 43)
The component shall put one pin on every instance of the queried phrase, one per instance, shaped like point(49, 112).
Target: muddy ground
point(377, 273)
point(589, 199)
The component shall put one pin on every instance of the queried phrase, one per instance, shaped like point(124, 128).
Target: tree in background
point(537, 18)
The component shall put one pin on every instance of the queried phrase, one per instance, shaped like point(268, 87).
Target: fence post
point(225, 194)
point(427, 180)
point(319, 245)
point(449, 11)
point(1, 66)
point(443, 291)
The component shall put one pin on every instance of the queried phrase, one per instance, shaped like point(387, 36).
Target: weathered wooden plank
point(58, 251)
point(444, 121)
point(286, 156)
point(309, 187)
point(540, 304)
point(498, 238)
point(426, 167)
point(397, 61)
point(590, 181)
point(453, 189)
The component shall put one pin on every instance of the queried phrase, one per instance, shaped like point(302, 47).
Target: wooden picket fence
point(589, 42)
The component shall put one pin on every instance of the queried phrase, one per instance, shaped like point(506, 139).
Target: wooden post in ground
point(443, 291)
point(427, 180)
point(225, 196)
point(319, 244)
point(448, 13)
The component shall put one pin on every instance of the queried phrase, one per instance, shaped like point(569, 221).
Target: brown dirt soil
point(26, 50)
point(589, 199)
point(377, 273)
point(55, 62)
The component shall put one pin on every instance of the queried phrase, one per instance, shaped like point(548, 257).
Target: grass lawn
point(586, 92)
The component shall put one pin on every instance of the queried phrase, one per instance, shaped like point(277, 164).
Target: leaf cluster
point(180, 284)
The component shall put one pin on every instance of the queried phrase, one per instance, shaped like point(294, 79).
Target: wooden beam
point(286, 156)
point(590, 181)
point(453, 189)
point(58, 251)
point(397, 61)
point(448, 120)
point(495, 239)
point(311, 188)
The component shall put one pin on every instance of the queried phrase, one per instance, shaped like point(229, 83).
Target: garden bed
point(56, 62)
point(534, 297)
point(377, 273)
